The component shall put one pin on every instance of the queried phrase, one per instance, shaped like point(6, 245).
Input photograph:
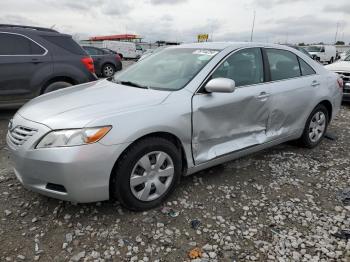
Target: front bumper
point(346, 92)
point(346, 97)
point(78, 174)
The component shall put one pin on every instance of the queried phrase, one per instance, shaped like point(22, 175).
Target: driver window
point(245, 67)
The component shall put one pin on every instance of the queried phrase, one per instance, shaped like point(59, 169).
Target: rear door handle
point(36, 61)
point(263, 95)
point(315, 83)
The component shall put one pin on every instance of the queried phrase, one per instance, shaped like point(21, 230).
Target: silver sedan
point(174, 113)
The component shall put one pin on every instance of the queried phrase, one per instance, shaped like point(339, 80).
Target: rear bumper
point(119, 66)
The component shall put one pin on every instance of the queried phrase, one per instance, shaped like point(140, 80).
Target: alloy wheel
point(108, 71)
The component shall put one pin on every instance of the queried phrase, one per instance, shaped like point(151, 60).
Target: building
point(123, 37)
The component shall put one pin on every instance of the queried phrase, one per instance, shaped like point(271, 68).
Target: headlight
point(73, 137)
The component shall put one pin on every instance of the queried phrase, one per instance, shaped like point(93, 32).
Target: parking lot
point(283, 204)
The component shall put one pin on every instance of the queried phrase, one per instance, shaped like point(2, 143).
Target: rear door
point(291, 89)
point(21, 60)
point(227, 122)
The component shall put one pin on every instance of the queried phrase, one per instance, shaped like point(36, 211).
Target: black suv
point(35, 60)
point(106, 63)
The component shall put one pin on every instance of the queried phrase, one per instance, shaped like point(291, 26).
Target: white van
point(124, 49)
point(323, 53)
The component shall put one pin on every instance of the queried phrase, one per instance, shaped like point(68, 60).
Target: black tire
point(305, 140)
point(108, 70)
point(331, 61)
point(120, 182)
point(56, 86)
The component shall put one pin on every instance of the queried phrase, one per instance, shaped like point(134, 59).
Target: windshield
point(314, 48)
point(170, 69)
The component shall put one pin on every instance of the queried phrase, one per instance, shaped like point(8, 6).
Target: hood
point(76, 106)
point(339, 66)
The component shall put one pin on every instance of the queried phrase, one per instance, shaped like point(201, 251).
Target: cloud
point(288, 29)
point(76, 5)
point(167, 2)
point(121, 8)
point(182, 20)
point(345, 8)
point(17, 20)
point(274, 3)
point(153, 30)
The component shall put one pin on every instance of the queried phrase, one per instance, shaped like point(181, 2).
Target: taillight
point(118, 57)
point(89, 64)
point(340, 82)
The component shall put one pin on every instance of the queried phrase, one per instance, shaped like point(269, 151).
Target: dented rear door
point(293, 88)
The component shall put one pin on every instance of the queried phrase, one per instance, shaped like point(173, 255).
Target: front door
point(227, 122)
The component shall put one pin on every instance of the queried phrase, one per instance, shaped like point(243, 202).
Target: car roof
point(90, 46)
point(224, 45)
point(26, 30)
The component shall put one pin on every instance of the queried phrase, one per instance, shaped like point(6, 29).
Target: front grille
point(346, 78)
point(20, 134)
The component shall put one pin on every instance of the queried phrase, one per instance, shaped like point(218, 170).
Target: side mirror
point(220, 85)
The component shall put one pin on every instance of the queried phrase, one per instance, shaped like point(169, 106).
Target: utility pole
point(251, 34)
point(336, 33)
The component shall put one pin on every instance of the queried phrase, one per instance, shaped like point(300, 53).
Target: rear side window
point(283, 64)
point(305, 68)
point(13, 44)
point(93, 51)
point(65, 42)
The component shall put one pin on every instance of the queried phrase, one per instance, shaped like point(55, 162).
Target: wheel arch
point(328, 105)
point(166, 135)
point(108, 63)
point(57, 79)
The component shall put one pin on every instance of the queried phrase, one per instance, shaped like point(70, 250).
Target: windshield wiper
point(130, 83)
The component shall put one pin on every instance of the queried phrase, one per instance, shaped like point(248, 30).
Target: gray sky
point(181, 20)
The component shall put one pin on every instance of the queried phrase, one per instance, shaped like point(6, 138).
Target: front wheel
point(315, 127)
point(147, 173)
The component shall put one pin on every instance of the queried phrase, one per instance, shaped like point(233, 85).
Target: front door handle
point(315, 83)
point(263, 95)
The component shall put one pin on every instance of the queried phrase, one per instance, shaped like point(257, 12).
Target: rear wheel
point(108, 70)
point(56, 86)
point(147, 173)
point(332, 60)
point(315, 127)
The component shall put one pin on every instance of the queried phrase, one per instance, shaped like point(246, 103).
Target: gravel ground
point(282, 204)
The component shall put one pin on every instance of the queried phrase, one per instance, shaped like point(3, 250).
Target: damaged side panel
point(227, 122)
point(291, 102)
